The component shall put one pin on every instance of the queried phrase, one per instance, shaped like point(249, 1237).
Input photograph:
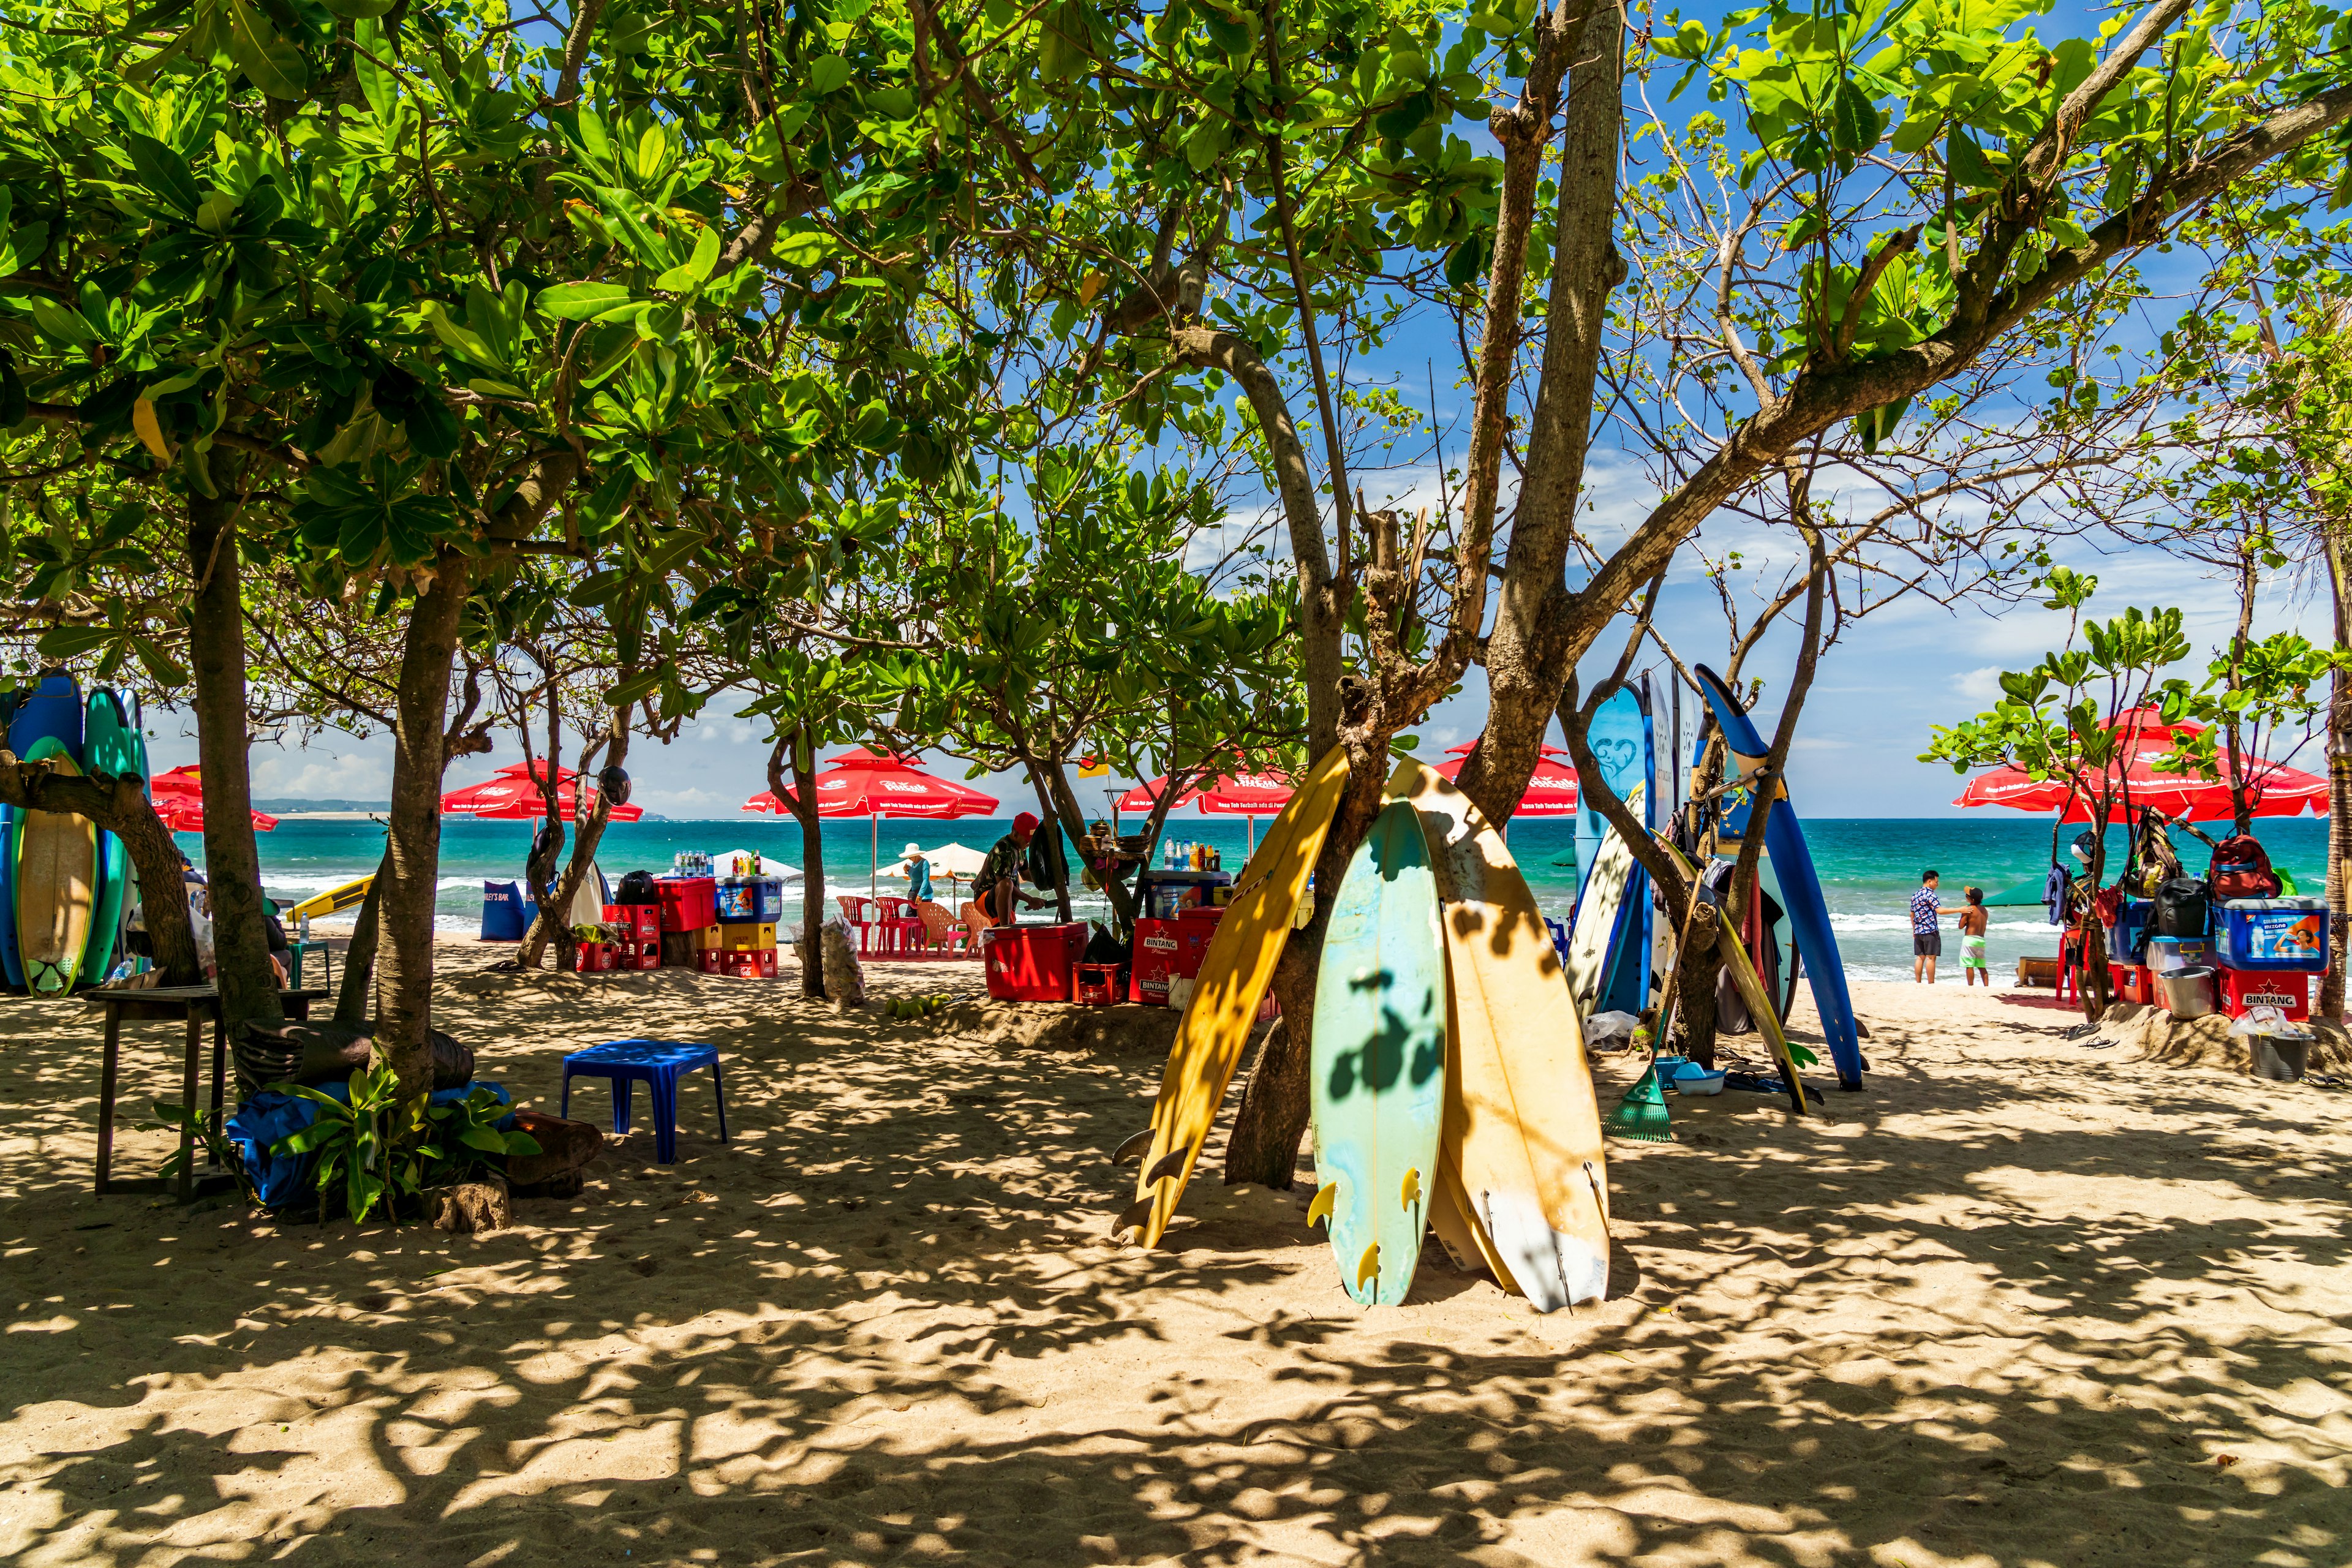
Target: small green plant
point(377, 1148)
point(211, 1146)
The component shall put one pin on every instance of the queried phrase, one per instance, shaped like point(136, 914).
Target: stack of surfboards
point(65, 884)
point(1449, 1080)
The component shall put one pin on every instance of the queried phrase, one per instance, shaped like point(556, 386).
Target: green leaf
point(582, 302)
point(24, 246)
point(687, 274)
point(62, 324)
point(358, 9)
point(828, 73)
point(276, 66)
point(165, 173)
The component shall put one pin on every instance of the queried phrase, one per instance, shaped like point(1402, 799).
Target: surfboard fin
point(1135, 1216)
point(1412, 1193)
point(1326, 1196)
point(1368, 1266)
point(1171, 1163)
point(1130, 1150)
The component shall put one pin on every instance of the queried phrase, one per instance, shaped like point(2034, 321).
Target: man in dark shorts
point(996, 887)
point(1926, 930)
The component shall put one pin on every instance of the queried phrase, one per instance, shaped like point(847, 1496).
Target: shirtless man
point(1974, 917)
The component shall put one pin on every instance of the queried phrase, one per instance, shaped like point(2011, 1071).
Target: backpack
point(2181, 909)
point(638, 888)
point(2241, 869)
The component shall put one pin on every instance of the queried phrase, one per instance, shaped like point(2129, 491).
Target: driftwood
point(472, 1208)
point(565, 1151)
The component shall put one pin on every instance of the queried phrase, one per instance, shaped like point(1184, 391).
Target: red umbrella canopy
point(860, 783)
point(511, 795)
point(2278, 790)
point(1551, 792)
point(1234, 794)
point(179, 797)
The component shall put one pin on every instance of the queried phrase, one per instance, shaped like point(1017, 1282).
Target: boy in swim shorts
point(1974, 917)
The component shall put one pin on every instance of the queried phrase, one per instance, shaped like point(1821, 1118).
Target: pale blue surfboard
point(1378, 1060)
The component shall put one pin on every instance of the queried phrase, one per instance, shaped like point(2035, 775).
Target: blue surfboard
point(1801, 886)
point(1625, 983)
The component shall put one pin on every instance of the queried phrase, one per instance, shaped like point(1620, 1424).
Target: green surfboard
point(111, 744)
point(1378, 1060)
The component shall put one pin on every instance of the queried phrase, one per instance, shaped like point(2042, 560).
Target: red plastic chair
point(2070, 964)
point(853, 915)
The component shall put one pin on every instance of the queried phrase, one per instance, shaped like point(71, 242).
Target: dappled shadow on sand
point(1976, 1313)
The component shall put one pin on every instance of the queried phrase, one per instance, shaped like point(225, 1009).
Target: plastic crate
point(1098, 985)
point(1159, 944)
point(755, 965)
point(1195, 928)
point(597, 956)
point(642, 920)
point(2244, 989)
point(687, 903)
point(2133, 982)
point(2127, 937)
point(2271, 933)
point(747, 936)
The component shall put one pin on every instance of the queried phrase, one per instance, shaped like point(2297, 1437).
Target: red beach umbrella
point(1551, 792)
point(511, 795)
point(2279, 790)
point(861, 782)
point(1234, 794)
point(179, 797)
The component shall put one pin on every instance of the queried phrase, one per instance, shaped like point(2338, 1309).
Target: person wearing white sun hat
point(919, 874)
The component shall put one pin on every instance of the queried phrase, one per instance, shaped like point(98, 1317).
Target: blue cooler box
point(2272, 933)
point(750, 898)
point(2127, 937)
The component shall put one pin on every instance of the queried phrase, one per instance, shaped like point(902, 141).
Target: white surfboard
point(1596, 919)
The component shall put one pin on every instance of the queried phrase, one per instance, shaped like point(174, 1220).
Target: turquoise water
point(1869, 867)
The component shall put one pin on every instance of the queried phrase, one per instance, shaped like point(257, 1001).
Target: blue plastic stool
point(657, 1064)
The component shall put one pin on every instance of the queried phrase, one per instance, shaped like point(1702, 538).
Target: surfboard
point(10, 963)
point(1522, 1122)
point(1233, 976)
point(52, 711)
point(1801, 886)
point(1377, 1061)
point(108, 746)
point(1594, 940)
point(335, 900)
point(56, 873)
point(1750, 986)
point(1626, 978)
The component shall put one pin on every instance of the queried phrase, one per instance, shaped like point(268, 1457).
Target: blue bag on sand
point(269, 1117)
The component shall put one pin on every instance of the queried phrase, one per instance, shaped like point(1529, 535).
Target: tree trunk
point(1049, 820)
point(359, 958)
point(587, 837)
point(549, 912)
point(248, 985)
point(404, 988)
point(2339, 776)
point(800, 799)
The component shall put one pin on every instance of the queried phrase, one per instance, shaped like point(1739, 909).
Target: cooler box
point(2167, 953)
point(505, 916)
point(749, 899)
point(641, 921)
point(2127, 937)
point(754, 935)
point(2133, 982)
point(2271, 933)
point(1194, 928)
point(1032, 963)
point(1163, 894)
point(687, 903)
point(2287, 990)
point(1158, 945)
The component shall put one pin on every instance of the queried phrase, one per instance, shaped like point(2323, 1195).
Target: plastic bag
point(1609, 1031)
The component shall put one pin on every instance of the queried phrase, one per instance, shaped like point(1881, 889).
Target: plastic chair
point(942, 932)
point(656, 1063)
point(2070, 964)
point(853, 915)
point(975, 920)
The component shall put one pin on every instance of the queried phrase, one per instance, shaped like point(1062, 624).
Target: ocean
point(1869, 867)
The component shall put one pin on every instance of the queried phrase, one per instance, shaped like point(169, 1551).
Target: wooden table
point(190, 1004)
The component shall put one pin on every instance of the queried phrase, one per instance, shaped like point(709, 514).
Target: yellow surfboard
point(1523, 1143)
point(56, 887)
point(1234, 976)
point(333, 899)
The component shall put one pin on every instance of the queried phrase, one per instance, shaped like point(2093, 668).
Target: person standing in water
point(1974, 917)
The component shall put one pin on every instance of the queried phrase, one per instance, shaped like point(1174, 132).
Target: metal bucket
point(2280, 1060)
point(2188, 993)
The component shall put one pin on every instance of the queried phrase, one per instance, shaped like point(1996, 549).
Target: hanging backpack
point(638, 888)
point(2241, 869)
point(2181, 910)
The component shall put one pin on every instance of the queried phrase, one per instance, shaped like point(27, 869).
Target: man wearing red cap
point(997, 882)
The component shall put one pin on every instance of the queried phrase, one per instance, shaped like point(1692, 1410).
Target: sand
point(2024, 1301)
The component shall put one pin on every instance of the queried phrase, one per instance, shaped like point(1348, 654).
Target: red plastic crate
point(1032, 963)
point(687, 903)
point(1098, 985)
point(2243, 989)
point(1158, 946)
point(595, 957)
point(759, 963)
point(2133, 981)
point(642, 920)
point(709, 960)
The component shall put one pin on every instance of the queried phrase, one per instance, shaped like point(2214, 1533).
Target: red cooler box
point(1158, 949)
point(1032, 963)
point(1194, 929)
point(2287, 991)
point(687, 903)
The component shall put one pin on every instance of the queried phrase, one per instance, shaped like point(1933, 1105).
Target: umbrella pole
point(874, 870)
point(1251, 840)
